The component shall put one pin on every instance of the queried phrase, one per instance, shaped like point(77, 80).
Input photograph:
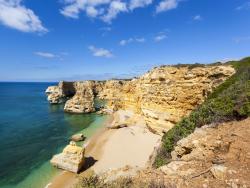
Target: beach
point(114, 149)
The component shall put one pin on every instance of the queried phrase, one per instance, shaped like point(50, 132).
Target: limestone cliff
point(83, 100)
point(166, 94)
point(162, 96)
point(58, 94)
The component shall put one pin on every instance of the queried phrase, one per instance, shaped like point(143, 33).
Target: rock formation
point(71, 159)
point(54, 94)
point(78, 137)
point(165, 94)
point(162, 96)
point(58, 94)
point(212, 156)
point(83, 100)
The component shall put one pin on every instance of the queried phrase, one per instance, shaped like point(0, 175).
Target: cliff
point(165, 94)
point(162, 96)
point(83, 100)
point(59, 94)
point(212, 156)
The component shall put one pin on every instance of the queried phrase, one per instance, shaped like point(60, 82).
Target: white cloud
point(140, 40)
point(166, 5)
point(92, 11)
point(125, 42)
point(197, 18)
point(100, 52)
point(115, 8)
point(15, 15)
point(130, 40)
point(106, 10)
point(73, 8)
point(45, 54)
point(160, 37)
point(139, 3)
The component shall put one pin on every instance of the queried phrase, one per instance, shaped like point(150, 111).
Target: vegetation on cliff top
point(94, 181)
point(229, 101)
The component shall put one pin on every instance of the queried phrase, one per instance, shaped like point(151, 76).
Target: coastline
point(113, 149)
point(68, 179)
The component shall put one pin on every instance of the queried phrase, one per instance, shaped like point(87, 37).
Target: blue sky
point(51, 40)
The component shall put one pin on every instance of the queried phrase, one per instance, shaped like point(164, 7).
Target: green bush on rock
point(229, 101)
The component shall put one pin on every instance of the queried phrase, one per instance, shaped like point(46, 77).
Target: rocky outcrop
point(165, 94)
point(212, 156)
point(71, 159)
point(162, 96)
point(78, 137)
point(54, 94)
point(58, 94)
point(83, 100)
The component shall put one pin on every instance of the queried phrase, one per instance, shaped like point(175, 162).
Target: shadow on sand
point(89, 162)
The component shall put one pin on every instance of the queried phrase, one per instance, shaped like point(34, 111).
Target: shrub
point(229, 101)
point(94, 181)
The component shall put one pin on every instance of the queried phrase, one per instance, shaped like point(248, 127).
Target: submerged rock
point(71, 159)
point(78, 137)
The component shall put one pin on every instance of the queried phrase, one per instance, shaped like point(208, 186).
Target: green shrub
point(229, 101)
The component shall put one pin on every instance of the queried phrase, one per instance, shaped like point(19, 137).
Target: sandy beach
point(111, 149)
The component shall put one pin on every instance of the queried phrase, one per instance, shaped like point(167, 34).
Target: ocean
point(32, 131)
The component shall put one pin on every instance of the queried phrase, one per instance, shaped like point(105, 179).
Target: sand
point(111, 149)
point(130, 146)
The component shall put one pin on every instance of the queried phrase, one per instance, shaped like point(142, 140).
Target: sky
point(52, 40)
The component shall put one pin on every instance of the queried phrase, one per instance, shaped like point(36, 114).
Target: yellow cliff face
point(83, 100)
point(162, 96)
point(165, 94)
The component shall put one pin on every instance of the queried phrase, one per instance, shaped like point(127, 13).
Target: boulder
point(71, 159)
point(219, 171)
point(117, 126)
point(78, 137)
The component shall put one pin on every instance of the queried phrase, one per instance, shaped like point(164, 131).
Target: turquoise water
point(32, 131)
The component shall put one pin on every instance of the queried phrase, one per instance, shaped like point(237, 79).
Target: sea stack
point(83, 100)
point(58, 94)
point(71, 159)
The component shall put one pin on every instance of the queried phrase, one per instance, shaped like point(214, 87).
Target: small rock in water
point(78, 137)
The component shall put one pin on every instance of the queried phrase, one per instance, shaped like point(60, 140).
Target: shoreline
point(67, 179)
point(114, 149)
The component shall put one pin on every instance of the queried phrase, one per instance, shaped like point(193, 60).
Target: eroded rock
point(165, 94)
point(219, 171)
point(58, 94)
point(78, 137)
point(83, 100)
point(54, 94)
point(71, 159)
